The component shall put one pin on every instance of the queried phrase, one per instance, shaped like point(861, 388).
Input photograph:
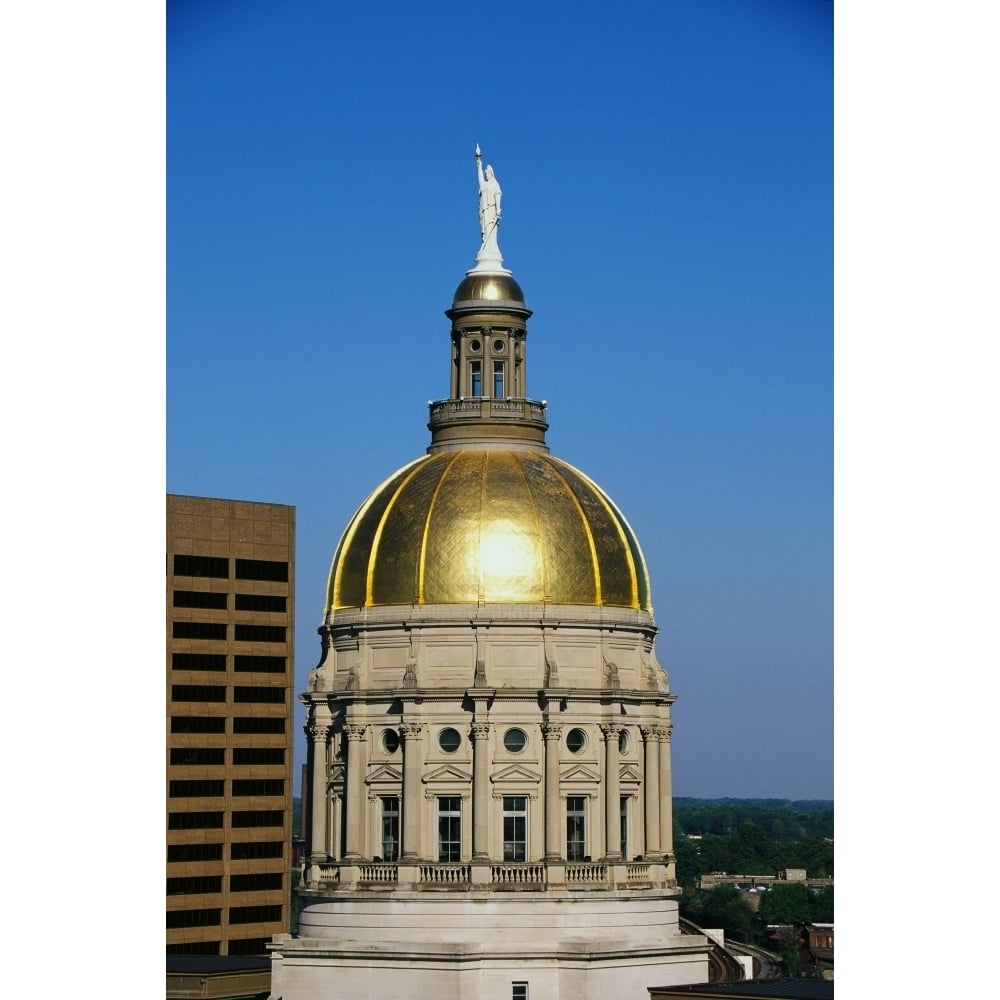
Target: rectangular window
point(199, 599)
point(515, 827)
point(255, 724)
point(259, 664)
point(260, 633)
point(214, 566)
point(260, 602)
point(450, 828)
point(476, 371)
point(258, 817)
point(624, 820)
point(390, 828)
point(197, 755)
point(194, 884)
point(193, 918)
point(198, 630)
point(197, 948)
point(260, 695)
point(250, 946)
point(518, 991)
point(195, 821)
point(576, 828)
point(254, 914)
point(262, 569)
point(197, 724)
point(258, 786)
point(257, 882)
point(198, 661)
point(258, 755)
point(256, 849)
point(194, 852)
point(498, 379)
point(198, 692)
point(197, 788)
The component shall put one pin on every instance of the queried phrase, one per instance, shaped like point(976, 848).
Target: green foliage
point(790, 903)
point(780, 820)
point(722, 906)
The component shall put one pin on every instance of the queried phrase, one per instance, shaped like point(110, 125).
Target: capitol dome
point(488, 526)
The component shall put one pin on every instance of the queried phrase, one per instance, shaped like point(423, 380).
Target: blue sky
point(668, 210)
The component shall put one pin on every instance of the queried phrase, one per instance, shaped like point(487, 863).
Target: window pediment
point(447, 773)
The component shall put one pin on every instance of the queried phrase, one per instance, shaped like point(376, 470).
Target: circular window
point(449, 740)
point(474, 345)
point(623, 741)
point(390, 740)
point(514, 740)
point(576, 740)
point(498, 346)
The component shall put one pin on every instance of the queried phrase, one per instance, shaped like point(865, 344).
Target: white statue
point(489, 204)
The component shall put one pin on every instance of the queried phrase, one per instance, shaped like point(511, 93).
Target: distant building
point(230, 621)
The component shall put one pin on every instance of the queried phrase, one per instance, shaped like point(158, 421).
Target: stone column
point(553, 811)
point(612, 793)
point(318, 798)
point(666, 792)
point(354, 793)
point(651, 788)
point(480, 789)
point(412, 765)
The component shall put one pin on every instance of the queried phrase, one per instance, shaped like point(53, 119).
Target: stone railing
point(586, 873)
point(518, 874)
point(381, 873)
point(637, 872)
point(446, 411)
point(329, 874)
point(445, 874)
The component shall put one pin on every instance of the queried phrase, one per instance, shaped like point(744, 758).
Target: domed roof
point(488, 526)
point(485, 286)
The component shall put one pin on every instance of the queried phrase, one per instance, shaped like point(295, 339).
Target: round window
point(498, 346)
point(514, 740)
point(449, 740)
point(576, 740)
point(623, 741)
point(474, 345)
point(390, 740)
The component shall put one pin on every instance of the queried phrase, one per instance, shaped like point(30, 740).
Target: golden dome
point(489, 287)
point(498, 527)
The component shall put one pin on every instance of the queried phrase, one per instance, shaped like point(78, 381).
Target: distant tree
point(786, 903)
point(822, 905)
point(722, 906)
point(788, 948)
point(688, 860)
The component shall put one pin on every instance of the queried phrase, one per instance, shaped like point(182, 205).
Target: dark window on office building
point(261, 569)
point(213, 566)
point(254, 914)
point(258, 755)
point(257, 849)
point(199, 599)
point(255, 724)
point(194, 821)
point(194, 852)
point(258, 817)
point(198, 692)
point(255, 883)
point(250, 946)
point(196, 948)
point(260, 633)
point(193, 918)
point(261, 602)
point(199, 630)
point(259, 664)
point(260, 695)
point(258, 786)
point(194, 884)
point(189, 788)
point(197, 724)
point(198, 661)
point(197, 755)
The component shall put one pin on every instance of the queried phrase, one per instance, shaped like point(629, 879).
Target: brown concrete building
point(230, 632)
